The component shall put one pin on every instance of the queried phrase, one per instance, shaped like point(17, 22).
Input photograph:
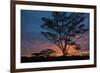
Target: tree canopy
point(62, 27)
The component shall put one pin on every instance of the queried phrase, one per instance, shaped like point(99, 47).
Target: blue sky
point(31, 20)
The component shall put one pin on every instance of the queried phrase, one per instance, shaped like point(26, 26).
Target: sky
point(33, 41)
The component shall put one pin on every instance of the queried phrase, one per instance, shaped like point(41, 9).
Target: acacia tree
point(62, 27)
point(44, 53)
point(47, 52)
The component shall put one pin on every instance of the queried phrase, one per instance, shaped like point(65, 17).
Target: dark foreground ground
point(61, 58)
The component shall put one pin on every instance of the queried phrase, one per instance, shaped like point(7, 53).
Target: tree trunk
point(64, 54)
point(64, 51)
point(67, 50)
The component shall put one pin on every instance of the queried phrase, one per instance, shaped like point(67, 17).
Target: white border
point(57, 63)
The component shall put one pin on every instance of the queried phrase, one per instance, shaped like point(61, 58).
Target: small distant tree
point(62, 27)
point(35, 54)
point(77, 47)
point(47, 52)
point(44, 53)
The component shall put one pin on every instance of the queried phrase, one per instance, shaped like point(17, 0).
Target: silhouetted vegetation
point(52, 58)
point(62, 27)
point(44, 53)
point(49, 55)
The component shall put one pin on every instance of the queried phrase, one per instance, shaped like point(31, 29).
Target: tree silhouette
point(35, 54)
point(47, 52)
point(62, 27)
point(44, 53)
point(77, 47)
